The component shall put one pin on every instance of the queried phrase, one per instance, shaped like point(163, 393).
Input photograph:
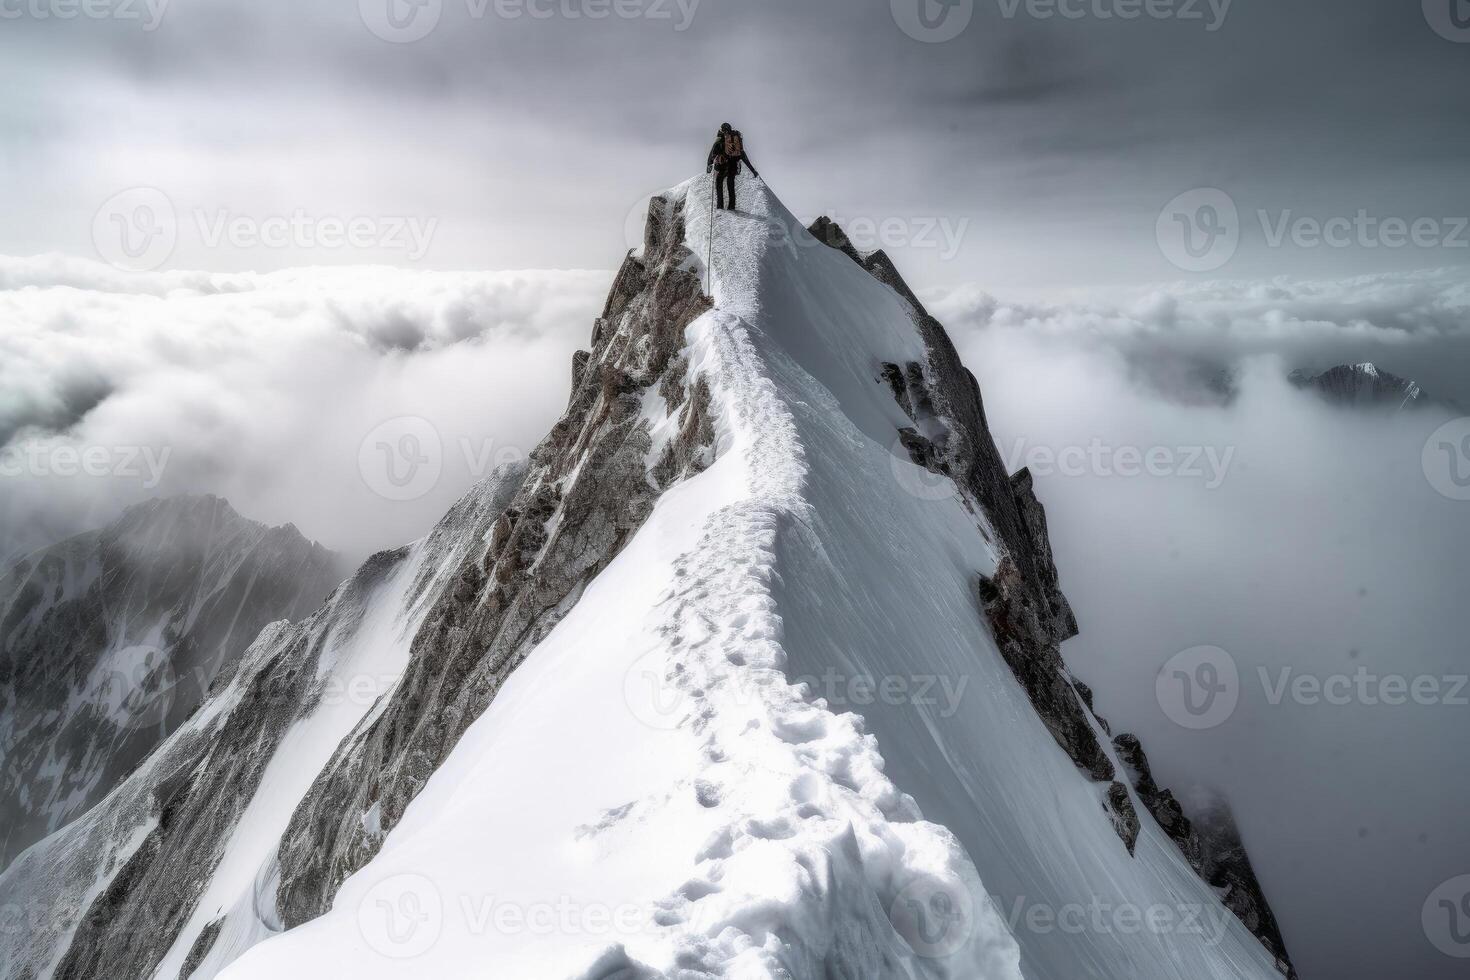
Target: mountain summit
point(754, 671)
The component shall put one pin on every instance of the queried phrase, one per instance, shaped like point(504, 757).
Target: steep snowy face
point(759, 676)
point(176, 865)
point(111, 639)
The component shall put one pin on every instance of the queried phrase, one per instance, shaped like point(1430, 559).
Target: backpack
point(734, 145)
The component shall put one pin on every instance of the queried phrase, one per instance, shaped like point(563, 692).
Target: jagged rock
point(969, 449)
point(588, 491)
point(1124, 817)
point(200, 949)
point(1212, 845)
point(1365, 386)
point(1059, 618)
point(1024, 640)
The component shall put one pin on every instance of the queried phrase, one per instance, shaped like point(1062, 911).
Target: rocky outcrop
point(1211, 843)
point(589, 488)
point(1022, 600)
point(1365, 386)
point(110, 640)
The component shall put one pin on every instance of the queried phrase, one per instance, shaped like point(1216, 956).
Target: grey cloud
point(262, 389)
point(1414, 324)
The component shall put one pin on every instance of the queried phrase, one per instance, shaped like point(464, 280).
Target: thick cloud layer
point(1176, 338)
point(274, 391)
point(1310, 545)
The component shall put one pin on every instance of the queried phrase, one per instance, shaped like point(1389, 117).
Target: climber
point(725, 158)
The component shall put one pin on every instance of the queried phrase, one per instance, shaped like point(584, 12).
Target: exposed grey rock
point(1211, 843)
point(1036, 660)
point(111, 639)
point(1365, 386)
point(200, 949)
point(1120, 810)
point(587, 492)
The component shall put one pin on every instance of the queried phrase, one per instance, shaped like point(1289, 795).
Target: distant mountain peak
point(1364, 385)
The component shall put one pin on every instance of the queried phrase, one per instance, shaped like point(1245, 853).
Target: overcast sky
point(1049, 145)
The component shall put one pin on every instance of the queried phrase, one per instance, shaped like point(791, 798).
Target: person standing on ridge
point(725, 158)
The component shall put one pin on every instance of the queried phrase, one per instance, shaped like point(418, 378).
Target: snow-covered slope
point(716, 762)
point(184, 847)
point(753, 673)
point(110, 640)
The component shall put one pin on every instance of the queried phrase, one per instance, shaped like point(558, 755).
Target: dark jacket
point(718, 150)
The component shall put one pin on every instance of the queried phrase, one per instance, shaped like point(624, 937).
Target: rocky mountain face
point(110, 640)
point(1363, 386)
point(593, 482)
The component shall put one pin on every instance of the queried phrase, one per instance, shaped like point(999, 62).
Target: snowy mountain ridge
point(589, 713)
